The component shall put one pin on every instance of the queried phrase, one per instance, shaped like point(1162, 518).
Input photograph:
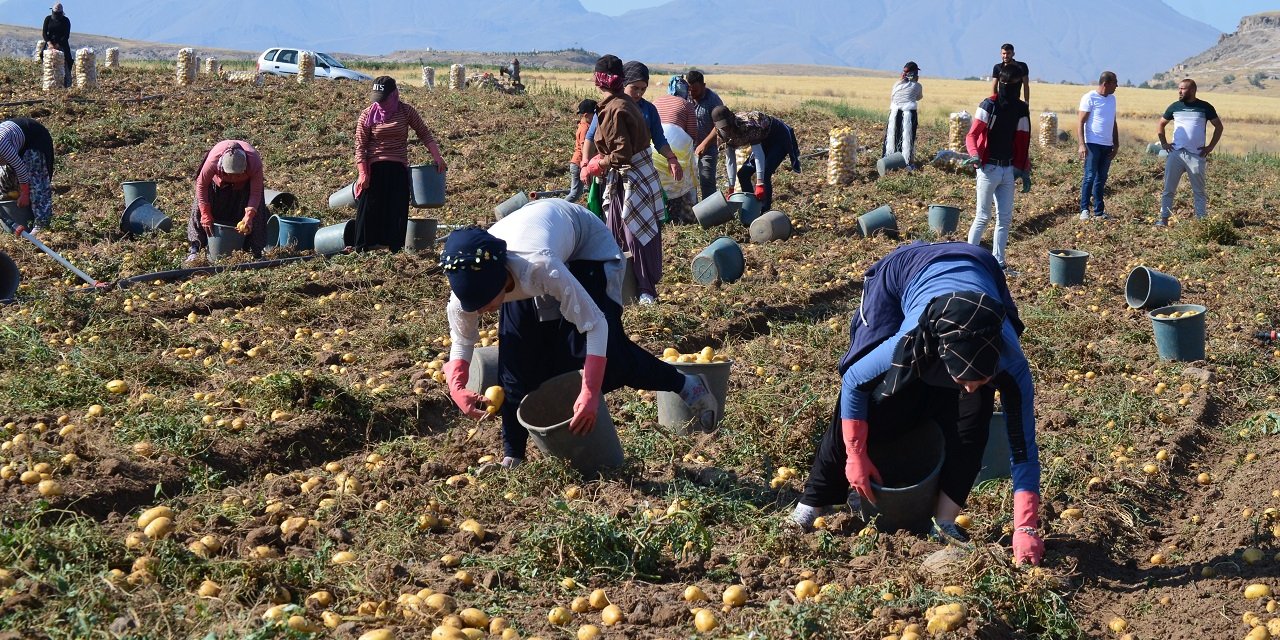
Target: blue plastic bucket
point(748, 207)
point(298, 231)
point(545, 413)
point(943, 219)
point(142, 216)
point(420, 234)
point(774, 225)
point(1179, 331)
point(1067, 266)
point(891, 162)
point(134, 189)
point(879, 219)
point(722, 260)
point(428, 186)
point(714, 210)
point(675, 414)
point(1147, 288)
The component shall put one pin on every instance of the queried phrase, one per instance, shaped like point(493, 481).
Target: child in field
point(586, 109)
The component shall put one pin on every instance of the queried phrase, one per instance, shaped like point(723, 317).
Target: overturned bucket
point(484, 369)
point(298, 231)
point(335, 238)
point(10, 278)
point(722, 260)
point(224, 240)
point(748, 207)
point(1067, 266)
point(909, 462)
point(714, 210)
point(943, 219)
point(1154, 148)
point(420, 234)
point(891, 162)
point(13, 213)
point(510, 205)
point(674, 413)
point(142, 216)
point(279, 201)
point(344, 197)
point(1147, 288)
point(545, 413)
point(134, 189)
point(774, 225)
point(428, 186)
point(879, 219)
point(1179, 331)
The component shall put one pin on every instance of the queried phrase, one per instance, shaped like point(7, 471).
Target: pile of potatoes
point(842, 156)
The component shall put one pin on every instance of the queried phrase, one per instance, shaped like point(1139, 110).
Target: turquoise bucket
point(428, 186)
point(273, 231)
point(142, 216)
point(224, 240)
point(943, 219)
point(134, 189)
point(910, 463)
point(891, 162)
point(1181, 338)
point(1147, 288)
point(1067, 266)
point(748, 207)
point(774, 225)
point(722, 260)
point(878, 220)
point(335, 238)
point(298, 231)
point(10, 278)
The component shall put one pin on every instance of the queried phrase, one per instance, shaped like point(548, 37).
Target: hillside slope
point(1245, 61)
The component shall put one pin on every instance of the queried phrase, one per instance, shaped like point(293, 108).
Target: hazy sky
point(1223, 15)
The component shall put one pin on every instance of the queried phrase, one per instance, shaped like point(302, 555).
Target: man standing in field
point(1020, 72)
point(1187, 153)
point(704, 100)
point(1099, 139)
point(999, 147)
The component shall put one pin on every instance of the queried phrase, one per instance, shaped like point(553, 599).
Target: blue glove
point(1026, 179)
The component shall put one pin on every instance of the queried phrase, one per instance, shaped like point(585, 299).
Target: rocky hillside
point(1245, 61)
point(19, 42)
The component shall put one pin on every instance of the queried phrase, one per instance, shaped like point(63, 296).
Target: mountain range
point(948, 38)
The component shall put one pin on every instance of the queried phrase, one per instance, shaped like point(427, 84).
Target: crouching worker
point(27, 148)
point(229, 192)
point(935, 337)
point(556, 273)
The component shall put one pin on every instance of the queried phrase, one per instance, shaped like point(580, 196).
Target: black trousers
point(780, 143)
point(382, 211)
point(228, 203)
point(965, 420)
point(532, 351)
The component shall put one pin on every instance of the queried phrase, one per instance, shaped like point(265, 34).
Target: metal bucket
point(298, 232)
point(428, 186)
point(10, 278)
point(279, 201)
point(420, 235)
point(224, 240)
point(909, 462)
point(335, 238)
point(344, 197)
point(722, 260)
point(15, 214)
point(714, 210)
point(142, 216)
point(546, 411)
point(774, 225)
point(134, 189)
point(674, 413)
point(510, 205)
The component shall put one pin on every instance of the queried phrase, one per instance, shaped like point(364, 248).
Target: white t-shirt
point(1102, 117)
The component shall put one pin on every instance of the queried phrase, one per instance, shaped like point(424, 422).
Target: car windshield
point(329, 60)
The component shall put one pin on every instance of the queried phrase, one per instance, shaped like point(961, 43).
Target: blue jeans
point(1097, 163)
point(707, 173)
point(995, 183)
point(575, 183)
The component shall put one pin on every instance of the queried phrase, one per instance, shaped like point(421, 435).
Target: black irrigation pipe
point(182, 274)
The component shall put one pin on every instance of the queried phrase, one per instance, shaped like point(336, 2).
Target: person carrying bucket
point(936, 335)
point(904, 99)
point(771, 142)
point(228, 191)
point(554, 270)
point(27, 148)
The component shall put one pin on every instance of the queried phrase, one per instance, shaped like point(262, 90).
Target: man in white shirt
point(1099, 139)
point(1187, 153)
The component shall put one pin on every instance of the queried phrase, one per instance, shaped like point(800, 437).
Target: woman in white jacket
point(900, 134)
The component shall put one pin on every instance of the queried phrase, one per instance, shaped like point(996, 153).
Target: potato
point(378, 634)
point(735, 596)
point(598, 599)
point(474, 618)
point(1257, 590)
point(611, 615)
point(159, 529)
point(705, 620)
point(559, 616)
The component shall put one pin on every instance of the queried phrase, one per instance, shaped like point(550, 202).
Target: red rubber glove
point(362, 180)
point(594, 168)
point(858, 468)
point(588, 402)
point(1027, 545)
point(760, 192)
point(206, 219)
point(472, 404)
point(24, 194)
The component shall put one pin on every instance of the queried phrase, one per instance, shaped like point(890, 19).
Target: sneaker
point(949, 533)
point(804, 515)
point(1162, 222)
point(1100, 216)
point(191, 257)
point(1084, 214)
point(647, 300)
point(703, 404)
point(37, 230)
point(1008, 273)
point(511, 463)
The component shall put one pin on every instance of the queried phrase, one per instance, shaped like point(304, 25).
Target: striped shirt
point(678, 111)
point(390, 139)
point(12, 140)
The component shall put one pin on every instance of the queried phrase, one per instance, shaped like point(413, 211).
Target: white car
point(282, 61)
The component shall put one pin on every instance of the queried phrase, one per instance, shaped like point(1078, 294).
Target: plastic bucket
point(891, 162)
point(1067, 266)
point(420, 235)
point(224, 240)
point(878, 219)
point(748, 207)
point(335, 238)
point(428, 186)
point(134, 189)
point(510, 205)
point(299, 232)
point(10, 278)
point(995, 458)
point(714, 210)
point(1154, 149)
point(722, 260)
point(630, 290)
point(1147, 288)
point(546, 411)
point(344, 197)
point(13, 213)
point(774, 225)
point(909, 462)
point(1180, 338)
point(484, 369)
point(142, 216)
point(279, 201)
point(943, 219)
point(675, 414)
point(273, 231)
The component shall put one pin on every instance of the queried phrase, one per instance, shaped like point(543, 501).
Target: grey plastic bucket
point(630, 290)
point(995, 458)
point(909, 462)
point(484, 369)
point(428, 186)
point(273, 231)
point(1067, 266)
point(15, 214)
point(134, 189)
point(714, 210)
point(891, 162)
point(774, 225)
point(876, 220)
point(722, 260)
point(674, 413)
point(748, 207)
point(420, 234)
point(944, 219)
point(142, 216)
point(1154, 149)
point(225, 239)
point(1146, 288)
point(510, 205)
point(344, 197)
point(10, 278)
point(545, 413)
point(1181, 338)
point(279, 201)
point(298, 231)
point(335, 238)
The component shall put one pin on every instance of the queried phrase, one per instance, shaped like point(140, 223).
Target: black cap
point(382, 85)
point(911, 66)
point(587, 106)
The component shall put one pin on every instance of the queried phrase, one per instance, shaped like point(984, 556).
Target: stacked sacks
point(212, 66)
point(1048, 128)
point(186, 66)
point(457, 77)
point(38, 54)
point(842, 156)
point(306, 67)
point(86, 69)
point(429, 77)
point(960, 123)
point(55, 74)
point(113, 58)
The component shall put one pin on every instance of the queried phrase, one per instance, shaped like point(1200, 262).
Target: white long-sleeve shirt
point(905, 95)
point(542, 238)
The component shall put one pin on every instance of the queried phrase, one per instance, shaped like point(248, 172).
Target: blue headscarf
point(476, 263)
point(678, 87)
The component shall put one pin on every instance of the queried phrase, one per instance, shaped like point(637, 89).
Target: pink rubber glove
point(588, 402)
point(362, 180)
point(592, 169)
point(472, 404)
point(1027, 545)
point(24, 194)
point(858, 468)
point(760, 192)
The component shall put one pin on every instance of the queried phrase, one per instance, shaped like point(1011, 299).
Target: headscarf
point(634, 71)
point(678, 87)
point(475, 262)
point(388, 104)
point(609, 72)
point(962, 329)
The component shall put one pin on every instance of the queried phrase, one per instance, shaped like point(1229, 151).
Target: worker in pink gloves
point(229, 192)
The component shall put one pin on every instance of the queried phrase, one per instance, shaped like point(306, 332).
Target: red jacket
point(985, 119)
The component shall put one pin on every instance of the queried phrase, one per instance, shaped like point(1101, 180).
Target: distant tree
point(1144, 85)
point(1256, 80)
point(974, 78)
point(1129, 83)
point(1229, 78)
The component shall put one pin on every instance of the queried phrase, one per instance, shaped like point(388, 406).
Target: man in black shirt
point(57, 35)
point(1021, 72)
